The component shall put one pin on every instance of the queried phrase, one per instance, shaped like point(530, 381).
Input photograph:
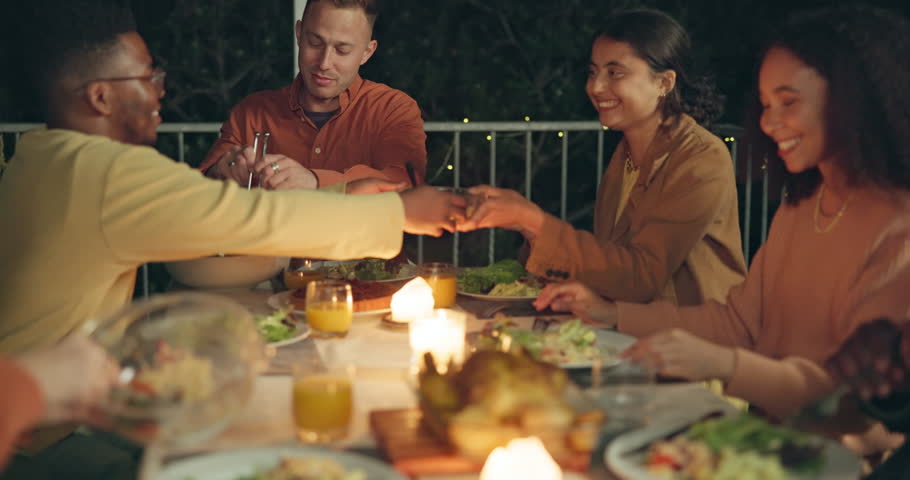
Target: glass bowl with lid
point(188, 363)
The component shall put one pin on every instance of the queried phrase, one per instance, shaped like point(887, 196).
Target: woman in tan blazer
point(666, 221)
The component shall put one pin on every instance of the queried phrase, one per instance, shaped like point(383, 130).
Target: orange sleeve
point(231, 131)
point(21, 406)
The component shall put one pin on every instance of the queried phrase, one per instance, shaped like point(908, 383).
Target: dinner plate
point(282, 300)
point(626, 454)
point(610, 343)
point(497, 298)
point(238, 464)
point(301, 331)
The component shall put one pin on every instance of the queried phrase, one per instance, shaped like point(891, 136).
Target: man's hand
point(369, 186)
point(680, 354)
point(577, 298)
point(874, 360)
point(74, 376)
point(504, 208)
point(279, 172)
point(235, 164)
point(429, 211)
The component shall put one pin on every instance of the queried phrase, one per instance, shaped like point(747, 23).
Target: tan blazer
point(678, 237)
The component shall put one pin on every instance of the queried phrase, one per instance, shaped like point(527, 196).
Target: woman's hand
point(680, 354)
point(504, 208)
point(575, 297)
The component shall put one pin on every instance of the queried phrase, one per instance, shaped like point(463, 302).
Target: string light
point(561, 134)
point(466, 120)
point(449, 167)
point(489, 138)
point(527, 118)
point(606, 127)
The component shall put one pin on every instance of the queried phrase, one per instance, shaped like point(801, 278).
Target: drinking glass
point(624, 390)
point(441, 277)
point(323, 402)
point(329, 308)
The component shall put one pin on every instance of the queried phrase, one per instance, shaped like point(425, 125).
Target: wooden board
point(414, 450)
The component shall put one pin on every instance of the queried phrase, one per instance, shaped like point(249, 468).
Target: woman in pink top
point(835, 112)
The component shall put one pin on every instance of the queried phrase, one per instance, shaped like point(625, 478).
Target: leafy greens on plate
point(509, 276)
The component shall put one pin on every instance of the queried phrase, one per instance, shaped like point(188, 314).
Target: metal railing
point(528, 129)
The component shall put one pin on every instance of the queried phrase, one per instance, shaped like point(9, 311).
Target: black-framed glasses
point(156, 78)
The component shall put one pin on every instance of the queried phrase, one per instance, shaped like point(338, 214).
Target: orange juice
point(328, 317)
point(444, 289)
point(300, 278)
point(323, 406)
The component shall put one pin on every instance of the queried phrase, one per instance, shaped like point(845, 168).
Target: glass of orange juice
point(301, 276)
point(329, 308)
point(441, 277)
point(322, 402)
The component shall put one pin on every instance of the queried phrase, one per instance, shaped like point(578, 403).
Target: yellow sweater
point(79, 213)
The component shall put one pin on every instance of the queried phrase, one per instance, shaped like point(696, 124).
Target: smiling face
point(793, 97)
point(622, 87)
point(334, 43)
point(135, 113)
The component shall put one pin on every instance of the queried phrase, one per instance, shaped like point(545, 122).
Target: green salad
point(370, 269)
point(276, 326)
point(572, 342)
point(796, 450)
point(483, 280)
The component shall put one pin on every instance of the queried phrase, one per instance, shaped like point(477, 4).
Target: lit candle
point(414, 300)
point(524, 458)
point(442, 335)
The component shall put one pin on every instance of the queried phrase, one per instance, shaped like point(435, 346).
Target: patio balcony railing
point(754, 205)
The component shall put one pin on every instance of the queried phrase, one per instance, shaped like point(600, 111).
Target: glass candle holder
point(441, 277)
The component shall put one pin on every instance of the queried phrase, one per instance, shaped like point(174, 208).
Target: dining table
point(381, 357)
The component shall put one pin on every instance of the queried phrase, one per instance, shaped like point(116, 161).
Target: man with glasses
point(329, 125)
point(86, 201)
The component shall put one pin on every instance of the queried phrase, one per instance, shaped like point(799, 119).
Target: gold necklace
point(818, 209)
point(630, 166)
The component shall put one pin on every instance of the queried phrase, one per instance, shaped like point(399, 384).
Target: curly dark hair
point(68, 38)
point(862, 53)
point(664, 44)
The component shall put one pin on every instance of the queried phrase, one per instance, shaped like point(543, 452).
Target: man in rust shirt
point(329, 125)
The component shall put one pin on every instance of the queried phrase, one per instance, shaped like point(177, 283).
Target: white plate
point(282, 300)
point(625, 455)
point(613, 343)
point(301, 331)
point(497, 298)
point(231, 465)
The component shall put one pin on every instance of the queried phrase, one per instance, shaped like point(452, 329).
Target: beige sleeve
point(637, 270)
point(157, 210)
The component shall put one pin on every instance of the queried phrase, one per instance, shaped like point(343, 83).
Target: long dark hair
point(862, 53)
point(663, 43)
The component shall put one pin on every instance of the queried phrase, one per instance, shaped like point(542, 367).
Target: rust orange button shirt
point(376, 131)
